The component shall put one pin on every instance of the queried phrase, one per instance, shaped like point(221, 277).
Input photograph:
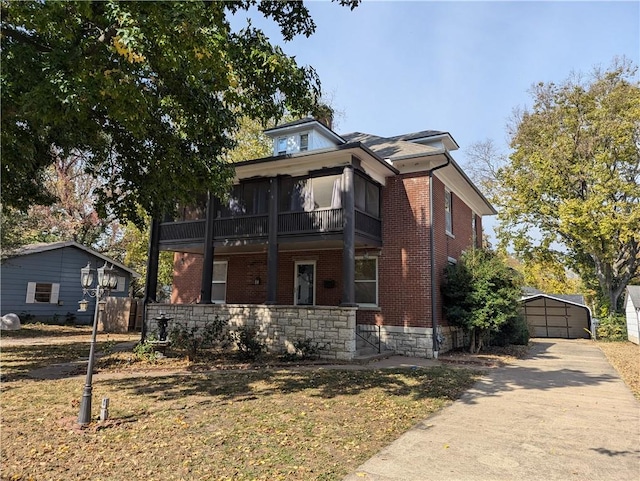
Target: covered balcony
point(309, 209)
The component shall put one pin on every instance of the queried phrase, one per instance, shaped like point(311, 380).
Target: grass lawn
point(270, 424)
point(624, 356)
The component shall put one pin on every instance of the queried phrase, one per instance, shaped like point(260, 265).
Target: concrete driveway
point(561, 414)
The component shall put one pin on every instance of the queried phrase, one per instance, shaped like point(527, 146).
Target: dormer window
point(282, 145)
point(304, 142)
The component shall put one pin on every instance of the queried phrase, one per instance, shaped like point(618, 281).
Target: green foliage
point(145, 351)
point(133, 248)
point(612, 328)
point(249, 345)
point(150, 94)
point(574, 178)
point(481, 294)
point(209, 335)
point(303, 349)
point(514, 331)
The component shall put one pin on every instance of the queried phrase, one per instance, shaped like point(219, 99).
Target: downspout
point(434, 318)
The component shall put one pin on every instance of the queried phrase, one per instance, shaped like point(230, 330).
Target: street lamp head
point(86, 276)
point(113, 278)
point(103, 278)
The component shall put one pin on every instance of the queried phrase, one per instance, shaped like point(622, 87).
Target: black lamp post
point(107, 280)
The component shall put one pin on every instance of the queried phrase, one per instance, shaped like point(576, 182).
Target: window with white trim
point(120, 285)
point(219, 282)
point(304, 142)
point(448, 208)
point(42, 292)
point(366, 281)
point(282, 145)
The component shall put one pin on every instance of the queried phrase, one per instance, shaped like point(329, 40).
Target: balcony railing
point(256, 226)
point(327, 220)
point(368, 225)
point(182, 231)
point(245, 226)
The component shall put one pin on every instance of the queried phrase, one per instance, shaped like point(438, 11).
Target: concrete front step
point(365, 356)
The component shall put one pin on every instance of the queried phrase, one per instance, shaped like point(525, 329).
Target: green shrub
point(612, 328)
point(145, 351)
point(303, 349)
point(210, 335)
point(481, 295)
point(248, 344)
point(514, 331)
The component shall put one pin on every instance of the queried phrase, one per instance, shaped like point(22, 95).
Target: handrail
point(377, 345)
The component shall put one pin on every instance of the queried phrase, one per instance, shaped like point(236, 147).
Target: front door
point(305, 285)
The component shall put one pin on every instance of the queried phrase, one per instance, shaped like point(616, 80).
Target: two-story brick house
point(335, 238)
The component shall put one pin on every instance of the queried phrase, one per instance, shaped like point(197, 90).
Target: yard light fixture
point(106, 280)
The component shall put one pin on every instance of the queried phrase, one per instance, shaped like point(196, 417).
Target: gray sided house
point(42, 281)
point(632, 312)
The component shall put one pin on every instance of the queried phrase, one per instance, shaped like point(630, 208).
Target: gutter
point(434, 318)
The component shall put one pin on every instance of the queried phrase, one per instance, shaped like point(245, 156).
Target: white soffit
point(301, 164)
point(450, 175)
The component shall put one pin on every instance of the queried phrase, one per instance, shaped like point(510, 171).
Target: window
point(282, 145)
point(474, 232)
point(250, 198)
point(448, 208)
point(42, 292)
point(304, 142)
point(305, 195)
point(367, 196)
point(219, 283)
point(296, 195)
point(366, 281)
point(121, 284)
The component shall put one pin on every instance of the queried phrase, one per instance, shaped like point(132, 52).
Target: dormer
point(302, 135)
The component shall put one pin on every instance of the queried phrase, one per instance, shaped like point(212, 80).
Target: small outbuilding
point(632, 312)
point(559, 316)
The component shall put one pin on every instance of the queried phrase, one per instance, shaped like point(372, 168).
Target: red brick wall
point(243, 269)
point(187, 276)
point(404, 260)
point(447, 245)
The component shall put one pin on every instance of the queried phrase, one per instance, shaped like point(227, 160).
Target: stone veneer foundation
point(414, 341)
point(332, 328)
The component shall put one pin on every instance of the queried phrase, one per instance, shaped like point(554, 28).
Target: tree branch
point(23, 37)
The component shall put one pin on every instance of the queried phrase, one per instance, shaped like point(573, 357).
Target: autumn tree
point(150, 93)
point(71, 216)
point(572, 184)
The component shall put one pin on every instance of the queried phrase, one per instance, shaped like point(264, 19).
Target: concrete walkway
point(561, 414)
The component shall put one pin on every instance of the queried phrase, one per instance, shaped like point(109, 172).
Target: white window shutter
point(31, 293)
point(55, 292)
point(121, 283)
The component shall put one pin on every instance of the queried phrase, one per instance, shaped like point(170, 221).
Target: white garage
point(632, 312)
point(555, 316)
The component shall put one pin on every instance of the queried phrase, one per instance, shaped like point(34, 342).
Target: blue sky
point(395, 67)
